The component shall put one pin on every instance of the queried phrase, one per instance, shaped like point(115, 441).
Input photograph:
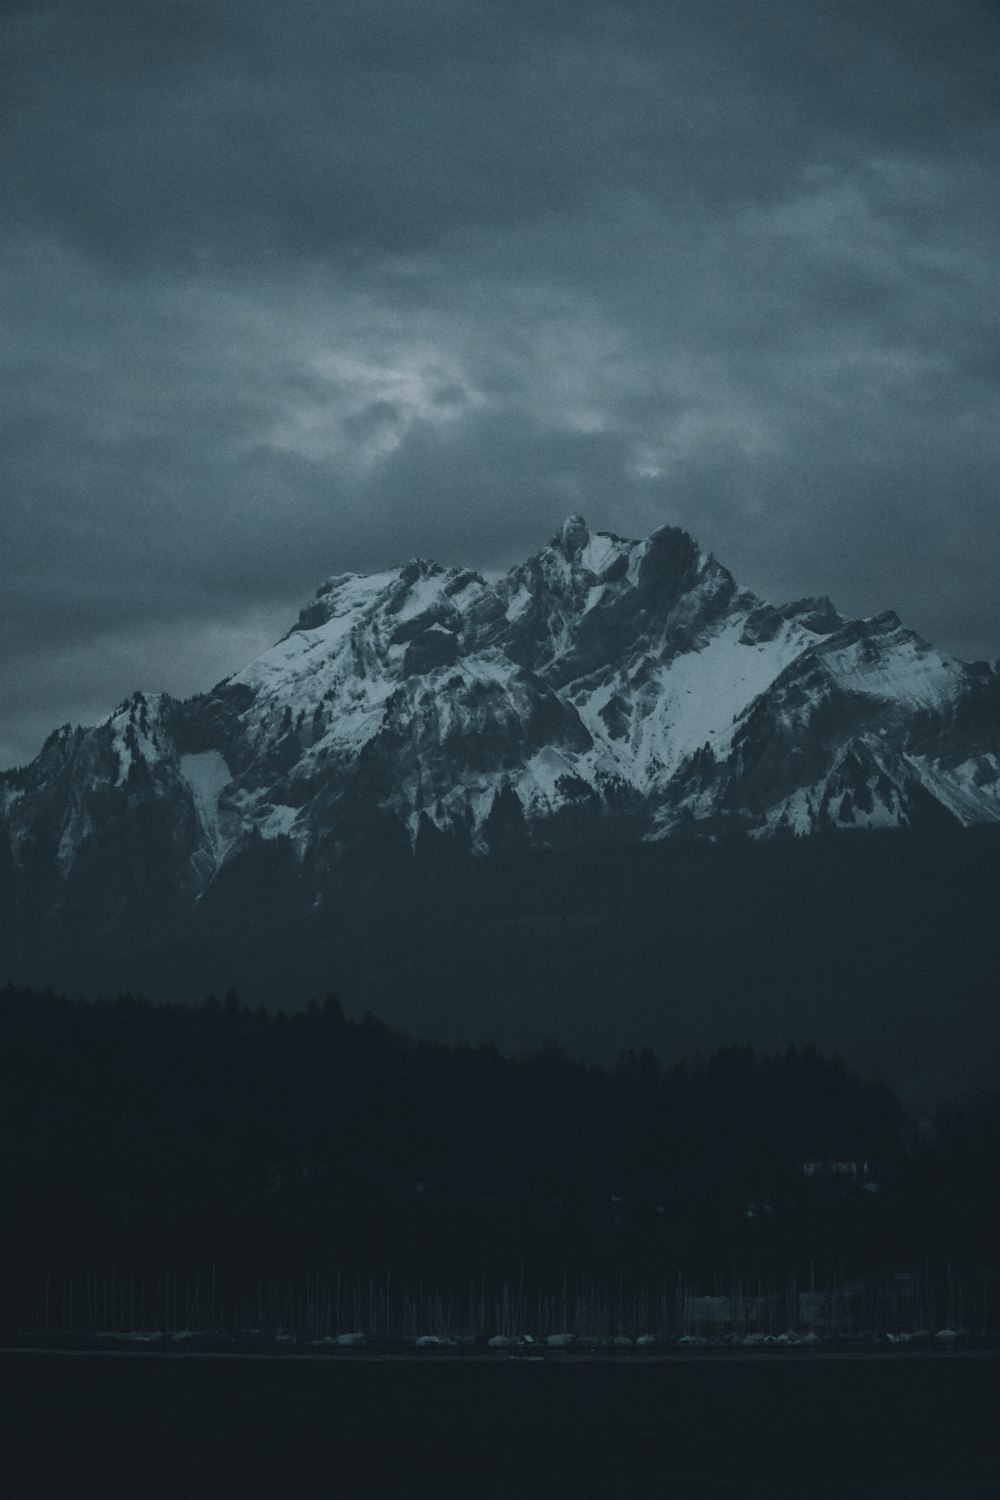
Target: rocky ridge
point(627, 686)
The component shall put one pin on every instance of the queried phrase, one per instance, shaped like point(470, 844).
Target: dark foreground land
point(110, 1425)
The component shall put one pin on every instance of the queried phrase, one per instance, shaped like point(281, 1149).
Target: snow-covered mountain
point(627, 686)
point(562, 804)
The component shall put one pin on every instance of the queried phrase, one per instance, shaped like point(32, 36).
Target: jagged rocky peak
point(572, 537)
point(603, 685)
point(668, 550)
point(818, 615)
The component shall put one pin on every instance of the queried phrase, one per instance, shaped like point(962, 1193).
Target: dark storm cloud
point(292, 289)
point(160, 134)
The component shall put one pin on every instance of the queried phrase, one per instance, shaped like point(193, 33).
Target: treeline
point(141, 1137)
point(883, 947)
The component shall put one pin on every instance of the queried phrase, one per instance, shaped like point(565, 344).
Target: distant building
point(825, 1167)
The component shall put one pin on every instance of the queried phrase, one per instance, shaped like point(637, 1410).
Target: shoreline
point(766, 1355)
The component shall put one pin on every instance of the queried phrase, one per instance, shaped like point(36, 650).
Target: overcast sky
point(294, 288)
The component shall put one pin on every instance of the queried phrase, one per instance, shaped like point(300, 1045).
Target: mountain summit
point(608, 684)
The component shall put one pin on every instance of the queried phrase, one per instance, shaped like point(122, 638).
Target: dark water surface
point(107, 1425)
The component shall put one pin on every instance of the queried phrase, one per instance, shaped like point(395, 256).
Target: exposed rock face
point(629, 686)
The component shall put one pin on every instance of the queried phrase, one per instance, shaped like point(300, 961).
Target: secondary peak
point(573, 536)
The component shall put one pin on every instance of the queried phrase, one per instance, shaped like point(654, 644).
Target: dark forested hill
point(883, 946)
point(141, 1137)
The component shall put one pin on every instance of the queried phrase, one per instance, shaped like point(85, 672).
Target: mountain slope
point(630, 686)
point(556, 804)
